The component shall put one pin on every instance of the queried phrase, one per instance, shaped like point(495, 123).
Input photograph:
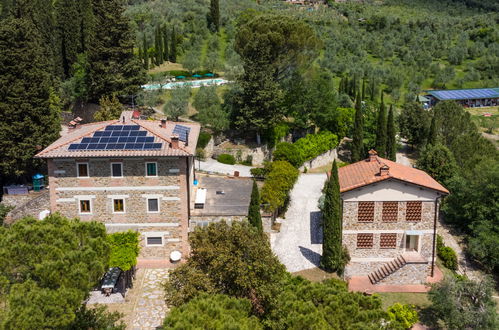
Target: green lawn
point(418, 299)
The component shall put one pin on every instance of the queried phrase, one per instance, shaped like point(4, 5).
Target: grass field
point(418, 299)
point(486, 124)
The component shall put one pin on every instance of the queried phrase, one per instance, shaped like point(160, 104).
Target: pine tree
point(29, 107)
point(165, 44)
point(173, 47)
point(333, 255)
point(381, 129)
point(358, 132)
point(68, 33)
point(114, 68)
point(254, 216)
point(214, 16)
point(110, 108)
point(391, 142)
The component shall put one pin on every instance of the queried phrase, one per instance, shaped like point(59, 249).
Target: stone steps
point(387, 269)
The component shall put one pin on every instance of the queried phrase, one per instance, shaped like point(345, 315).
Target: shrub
point(124, 249)
point(200, 155)
point(405, 315)
point(288, 152)
point(226, 159)
point(448, 257)
point(279, 181)
point(248, 161)
point(204, 138)
point(315, 144)
point(259, 172)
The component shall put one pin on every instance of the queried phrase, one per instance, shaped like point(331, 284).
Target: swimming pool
point(192, 84)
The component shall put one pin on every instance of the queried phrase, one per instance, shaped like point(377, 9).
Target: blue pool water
point(192, 84)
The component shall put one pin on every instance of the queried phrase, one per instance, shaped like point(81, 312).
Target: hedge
point(204, 138)
point(305, 148)
point(313, 145)
point(279, 180)
point(124, 249)
point(446, 254)
point(226, 159)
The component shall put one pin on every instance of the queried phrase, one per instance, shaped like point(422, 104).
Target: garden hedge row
point(279, 180)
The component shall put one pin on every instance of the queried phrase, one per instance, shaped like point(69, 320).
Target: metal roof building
point(476, 97)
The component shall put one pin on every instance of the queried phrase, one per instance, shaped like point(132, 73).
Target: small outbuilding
point(468, 98)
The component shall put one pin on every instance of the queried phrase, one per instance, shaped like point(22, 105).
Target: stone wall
point(169, 187)
point(259, 154)
point(321, 160)
point(27, 205)
point(18, 200)
point(411, 273)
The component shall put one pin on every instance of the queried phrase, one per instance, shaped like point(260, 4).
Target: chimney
point(163, 123)
point(174, 143)
point(123, 119)
point(372, 155)
point(384, 170)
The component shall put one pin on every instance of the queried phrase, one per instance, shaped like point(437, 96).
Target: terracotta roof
point(367, 171)
point(59, 149)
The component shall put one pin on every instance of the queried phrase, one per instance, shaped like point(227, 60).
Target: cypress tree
point(432, 134)
point(332, 252)
point(173, 47)
point(372, 90)
point(358, 132)
point(214, 16)
point(145, 52)
point(363, 97)
point(381, 129)
point(340, 87)
point(158, 46)
point(114, 69)
point(29, 107)
point(391, 142)
point(254, 216)
point(165, 44)
point(87, 24)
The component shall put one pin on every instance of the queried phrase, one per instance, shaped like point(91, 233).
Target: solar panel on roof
point(463, 94)
point(86, 140)
point(73, 146)
point(182, 132)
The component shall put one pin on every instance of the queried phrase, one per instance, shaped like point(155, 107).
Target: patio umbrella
point(209, 75)
point(196, 75)
point(180, 77)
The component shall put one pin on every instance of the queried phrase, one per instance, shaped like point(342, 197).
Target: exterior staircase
point(387, 269)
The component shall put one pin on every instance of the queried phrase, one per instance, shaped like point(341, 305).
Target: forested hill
point(403, 45)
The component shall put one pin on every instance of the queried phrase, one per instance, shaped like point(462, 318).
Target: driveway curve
point(298, 245)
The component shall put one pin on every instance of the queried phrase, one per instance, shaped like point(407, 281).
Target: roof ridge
point(163, 138)
point(79, 136)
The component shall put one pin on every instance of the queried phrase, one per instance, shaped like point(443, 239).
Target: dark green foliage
point(327, 305)
point(464, 304)
point(381, 130)
point(213, 16)
point(124, 249)
point(97, 318)
point(48, 268)
point(438, 161)
point(260, 172)
point(289, 152)
point(229, 259)
point(414, 124)
point(114, 69)
point(178, 103)
point(145, 52)
point(358, 133)
point(210, 111)
point(391, 140)
point(279, 181)
point(166, 51)
point(29, 106)
point(173, 46)
point(204, 138)
point(448, 257)
point(226, 159)
point(334, 256)
point(68, 33)
point(213, 312)
point(75, 88)
point(254, 216)
point(158, 45)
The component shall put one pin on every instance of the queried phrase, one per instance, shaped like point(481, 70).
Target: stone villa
point(128, 174)
point(390, 212)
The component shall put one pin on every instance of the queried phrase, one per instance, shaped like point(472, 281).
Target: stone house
point(128, 174)
point(390, 214)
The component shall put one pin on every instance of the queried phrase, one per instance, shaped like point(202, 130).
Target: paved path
point(150, 307)
point(213, 166)
point(402, 155)
point(299, 243)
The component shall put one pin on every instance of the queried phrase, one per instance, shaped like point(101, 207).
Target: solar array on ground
point(117, 137)
point(464, 94)
point(182, 132)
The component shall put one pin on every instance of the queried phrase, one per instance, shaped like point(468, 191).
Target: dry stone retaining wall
point(321, 160)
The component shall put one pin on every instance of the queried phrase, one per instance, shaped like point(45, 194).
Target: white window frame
point(152, 176)
point(155, 234)
point(113, 163)
point(78, 170)
point(124, 205)
point(147, 204)
point(90, 203)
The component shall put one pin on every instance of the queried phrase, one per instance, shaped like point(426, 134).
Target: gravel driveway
point(299, 243)
point(213, 166)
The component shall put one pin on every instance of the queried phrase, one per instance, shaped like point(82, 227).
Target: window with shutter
point(364, 241)
point(413, 211)
point(365, 212)
point(388, 241)
point(390, 211)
